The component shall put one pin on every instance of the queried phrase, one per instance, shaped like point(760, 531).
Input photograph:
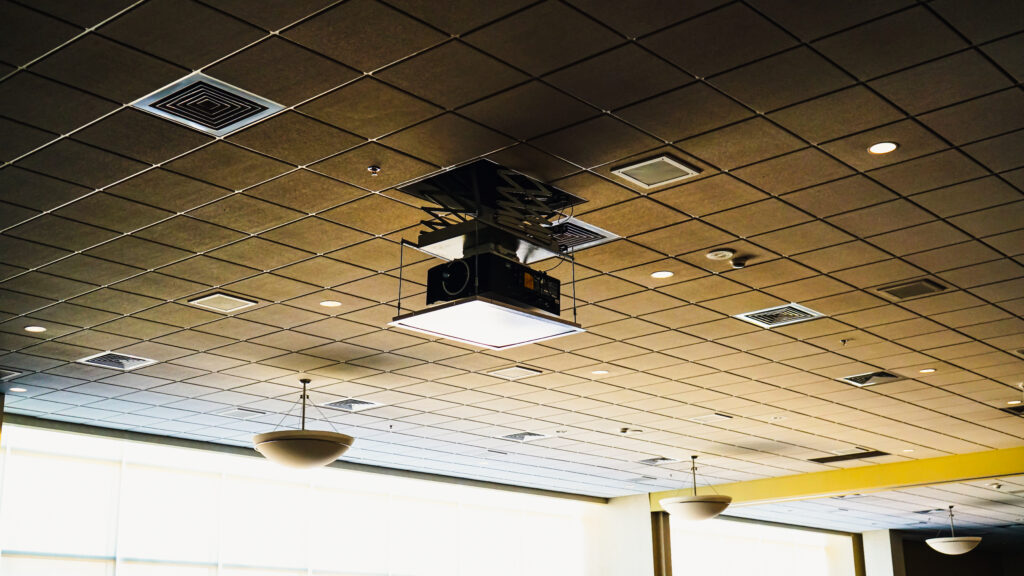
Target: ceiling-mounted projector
point(491, 223)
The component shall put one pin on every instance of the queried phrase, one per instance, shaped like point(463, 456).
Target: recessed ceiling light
point(662, 274)
point(883, 147)
point(599, 372)
point(18, 390)
point(908, 450)
point(34, 329)
point(926, 370)
point(721, 254)
point(221, 302)
point(330, 303)
point(1014, 402)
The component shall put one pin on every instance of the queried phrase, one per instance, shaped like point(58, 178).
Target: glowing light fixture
point(330, 304)
point(19, 389)
point(35, 329)
point(883, 147)
point(953, 545)
point(599, 372)
point(662, 274)
point(926, 370)
point(302, 448)
point(696, 507)
point(486, 323)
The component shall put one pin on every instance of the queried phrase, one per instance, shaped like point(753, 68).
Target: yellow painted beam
point(862, 479)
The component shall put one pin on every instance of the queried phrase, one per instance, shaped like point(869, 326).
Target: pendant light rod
point(952, 534)
point(693, 470)
point(305, 382)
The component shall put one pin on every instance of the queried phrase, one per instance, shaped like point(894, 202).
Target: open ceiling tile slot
point(207, 105)
point(911, 289)
point(851, 456)
point(352, 405)
point(780, 315)
point(116, 361)
point(223, 303)
point(655, 172)
point(525, 436)
point(658, 461)
point(710, 418)
point(6, 374)
point(242, 413)
point(515, 372)
point(1015, 410)
point(871, 378)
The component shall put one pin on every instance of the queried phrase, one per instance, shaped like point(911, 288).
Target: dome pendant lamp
point(302, 448)
point(954, 545)
point(695, 507)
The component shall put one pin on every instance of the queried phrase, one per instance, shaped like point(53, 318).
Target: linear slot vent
point(116, 361)
point(351, 404)
point(208, 105)
point(854, 456)
point(780, 315)
point(912, 289)
point(870, 378)
point(572, 235)
point(658, 461)
point(524, 436)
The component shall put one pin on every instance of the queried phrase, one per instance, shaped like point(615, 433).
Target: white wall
point(619, 538)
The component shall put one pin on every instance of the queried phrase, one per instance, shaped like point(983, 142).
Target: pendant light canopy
point(695, 507)
point(302, 448)
point(954, 545)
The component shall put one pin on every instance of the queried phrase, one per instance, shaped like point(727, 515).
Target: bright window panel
point(264, 523)
point(349, 531)
point(491, 541)
point(553, 546)
point(44, 566)
point(59, 504)
point(187, 505)
point(129, 568)
point(424, 537)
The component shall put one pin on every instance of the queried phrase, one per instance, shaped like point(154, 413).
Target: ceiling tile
point(369, 108)
point(167, 190)
point(982, 21)
point(228, 166)
point(81, 164)
point(690, 110)
point(185, 32)
point(461, 16)
point(37, 191)
point(741, 144)
point(451, 75)
point(314, 235)
point(693, 44)
point(913, 140)
point(999, 153)
point(375, 214)
point(351, 34)
point(967, 197)
point(259, 253)
point(141, 136)
point(595, 142)
point(618, 77)
point(1008, 54)
point(35, 100)
point(305, 191)
point(840, 196)
point(793, 171)
point(809, 19)
point(446, 140)
point(881, 218)
point(782, 80)
point(941, 82)
point(61, 232)
point(245, 214)
point(643, 16)
point(19, 139)
point(634, 217)
point(112, 212)
point(395, 167)
point(271, 15)
point(922, 174)
point(549, 47)
point(295, 138)
point(137, 252)
point(758, 218)
point(891, 43)
point(189, 234)
point(27, 34)
point(837, 114)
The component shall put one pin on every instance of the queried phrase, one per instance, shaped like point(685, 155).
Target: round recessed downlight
point(19, 389)
point(34, 329)
point(926, 370)
point(1013, 402)
point(599, 372)
point(662, 274)
point(883, 147)
point(721, 254)
point(908, 450)
point(330, 304)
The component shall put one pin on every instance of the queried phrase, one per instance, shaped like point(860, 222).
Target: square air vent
point(515, 372)
point(351, 405)
point(709, 418)
point(658, 461)
point(912, 289)
point(655, 172)
point(871, 378)
point(780, 315)
point(243, 413)
point(524, 436)
point(208, 105)
point(6, 374)
point(572, 235)
point(116, 361)
point(221, 302)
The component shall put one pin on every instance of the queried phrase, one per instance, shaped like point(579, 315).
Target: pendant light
point(696, 507)
point(302, 448)
point(953, 545)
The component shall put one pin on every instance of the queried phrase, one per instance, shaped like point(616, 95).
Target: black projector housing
point(494, 276)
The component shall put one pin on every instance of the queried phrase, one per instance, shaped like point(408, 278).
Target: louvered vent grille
point(780, 315)
point(208, 105)
point(912, 289)
point(116, 361)
point(524, 436)
point(573, 234)
point(351, 404)
point(871, 378)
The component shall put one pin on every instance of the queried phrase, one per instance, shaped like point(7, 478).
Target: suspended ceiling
point(113, 219)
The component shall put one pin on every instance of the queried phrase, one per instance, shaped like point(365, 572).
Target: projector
point(493, 276)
